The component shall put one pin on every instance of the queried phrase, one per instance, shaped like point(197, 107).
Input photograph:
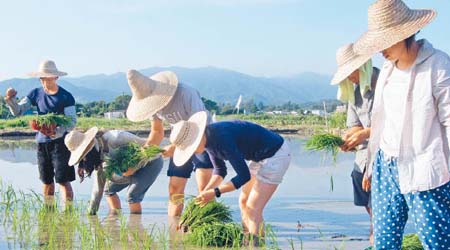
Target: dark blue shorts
point(360, 197)
point(53, 162)
point(197, 161)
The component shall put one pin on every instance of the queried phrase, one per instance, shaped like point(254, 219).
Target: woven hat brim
point(84, 147)
point(347, 69)
point(142, 109)
point(181, 156)
point(371, 42)
point(42, 74)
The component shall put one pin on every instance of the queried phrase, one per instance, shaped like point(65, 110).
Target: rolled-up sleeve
point(18, 108)
point(352, 117)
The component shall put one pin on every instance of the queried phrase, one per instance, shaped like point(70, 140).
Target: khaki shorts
point(272, 170)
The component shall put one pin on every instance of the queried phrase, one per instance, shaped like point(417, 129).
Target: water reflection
point(303, 196)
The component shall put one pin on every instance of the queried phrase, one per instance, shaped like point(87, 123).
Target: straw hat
point(347, 61)
point(391, 21)
point(79, 144)
point(150, 94)
point(47, 68)
point(186, 136)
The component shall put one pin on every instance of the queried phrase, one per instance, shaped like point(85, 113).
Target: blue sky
point(258, 37)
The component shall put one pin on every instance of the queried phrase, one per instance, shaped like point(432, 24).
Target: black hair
point(409, 41)
point(92, 161)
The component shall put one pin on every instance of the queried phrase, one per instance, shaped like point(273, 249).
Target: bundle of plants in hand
point(47, 123)
point(195, 215)
point(210, 225)
point(131, 155)
point(326, 142)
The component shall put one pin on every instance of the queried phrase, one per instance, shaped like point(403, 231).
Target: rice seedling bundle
point(49, 120)
point(210, 225)
point(194, 215)
point(411, 242)
point(47, 123)
point(216, 235)
point(131, 155)
point(326, 142)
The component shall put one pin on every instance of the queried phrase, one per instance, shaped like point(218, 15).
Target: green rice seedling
point(131, 155)
point(123, 235)
point(271, 237)
point(216, 234)
point(411, 242)
point(50, 119)
point(195, 215)
point(326, 142)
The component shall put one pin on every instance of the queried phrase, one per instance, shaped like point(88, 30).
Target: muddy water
point(303, 209)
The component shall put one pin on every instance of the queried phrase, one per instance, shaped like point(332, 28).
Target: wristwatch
point(217, 192)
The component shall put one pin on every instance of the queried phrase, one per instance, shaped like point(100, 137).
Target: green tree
point(210, 105)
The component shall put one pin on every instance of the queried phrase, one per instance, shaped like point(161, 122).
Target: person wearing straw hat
point(162, 98)
point(410, 131)
point(89, 150)
point(357, 81)
point(235, 141)
point(52, 153)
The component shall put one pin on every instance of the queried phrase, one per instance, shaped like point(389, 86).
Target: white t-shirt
point(394, 98)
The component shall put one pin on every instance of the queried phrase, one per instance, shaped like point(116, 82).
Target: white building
point(115, 114)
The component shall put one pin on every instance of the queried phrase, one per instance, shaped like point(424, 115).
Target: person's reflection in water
point(131, 234)
point(56, 229)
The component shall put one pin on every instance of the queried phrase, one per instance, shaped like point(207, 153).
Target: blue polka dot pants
point(430, 210)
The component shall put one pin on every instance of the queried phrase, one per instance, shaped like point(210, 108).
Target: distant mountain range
point(217, 84)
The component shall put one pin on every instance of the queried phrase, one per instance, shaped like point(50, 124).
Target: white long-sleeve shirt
point(424, 142)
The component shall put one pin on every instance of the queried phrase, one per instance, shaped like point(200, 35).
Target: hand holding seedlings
point(168, 151)
point(130, 156)
point(325, 142)
point(205, 196)
point(355, 139)
point(46, 124)
point(129, 172)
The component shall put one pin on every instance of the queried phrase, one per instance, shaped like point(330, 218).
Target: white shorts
point(272, 170)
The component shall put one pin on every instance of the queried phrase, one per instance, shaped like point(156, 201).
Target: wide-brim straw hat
point(79, 144)
point(150, 94)
point(348, 61)
point(47, 68)
point(391, 21)
point(186, 136)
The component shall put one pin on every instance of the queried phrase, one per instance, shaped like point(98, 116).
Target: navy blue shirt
point(237, 141)
point(47, 103)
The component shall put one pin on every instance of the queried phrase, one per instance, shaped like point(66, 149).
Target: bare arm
point(97, 190)
point(156, 133)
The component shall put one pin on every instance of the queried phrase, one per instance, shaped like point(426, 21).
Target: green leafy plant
point(195, 215)
point(326, 142)
point(47, 123)
point(216, 235)
point(50, 119)
point(131, 155)
point(411, 242)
